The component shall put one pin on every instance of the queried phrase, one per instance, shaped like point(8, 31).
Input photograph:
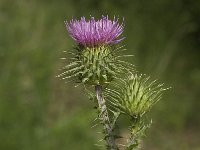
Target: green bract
point(96, 65)
point(135, 95)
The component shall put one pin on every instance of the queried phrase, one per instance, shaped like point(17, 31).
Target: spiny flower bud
point(135, 95)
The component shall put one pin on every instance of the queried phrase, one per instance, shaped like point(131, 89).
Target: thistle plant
point(98, 63)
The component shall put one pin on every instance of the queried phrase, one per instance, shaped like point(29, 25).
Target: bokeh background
point(40, 112)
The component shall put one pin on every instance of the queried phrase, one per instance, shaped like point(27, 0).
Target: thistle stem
point(103, 116)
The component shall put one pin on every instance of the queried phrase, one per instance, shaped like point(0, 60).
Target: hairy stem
point(111, 145)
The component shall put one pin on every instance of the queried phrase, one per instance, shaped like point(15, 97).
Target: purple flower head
point(94, 33)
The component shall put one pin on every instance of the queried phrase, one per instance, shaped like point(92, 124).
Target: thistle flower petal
point(94, 33)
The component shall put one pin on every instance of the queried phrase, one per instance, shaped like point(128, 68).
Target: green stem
point(105, 119)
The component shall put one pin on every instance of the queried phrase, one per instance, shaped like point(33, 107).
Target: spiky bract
point(95, 66)
point(135, 95)
point(98, 65)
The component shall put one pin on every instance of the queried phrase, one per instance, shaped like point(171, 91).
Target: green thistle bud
point(136, 95)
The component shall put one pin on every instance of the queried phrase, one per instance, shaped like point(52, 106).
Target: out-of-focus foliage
point(37, 111)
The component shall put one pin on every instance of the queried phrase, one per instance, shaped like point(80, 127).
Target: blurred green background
point(40, 112)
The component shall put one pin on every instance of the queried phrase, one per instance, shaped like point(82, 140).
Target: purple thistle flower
point(94, 33)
